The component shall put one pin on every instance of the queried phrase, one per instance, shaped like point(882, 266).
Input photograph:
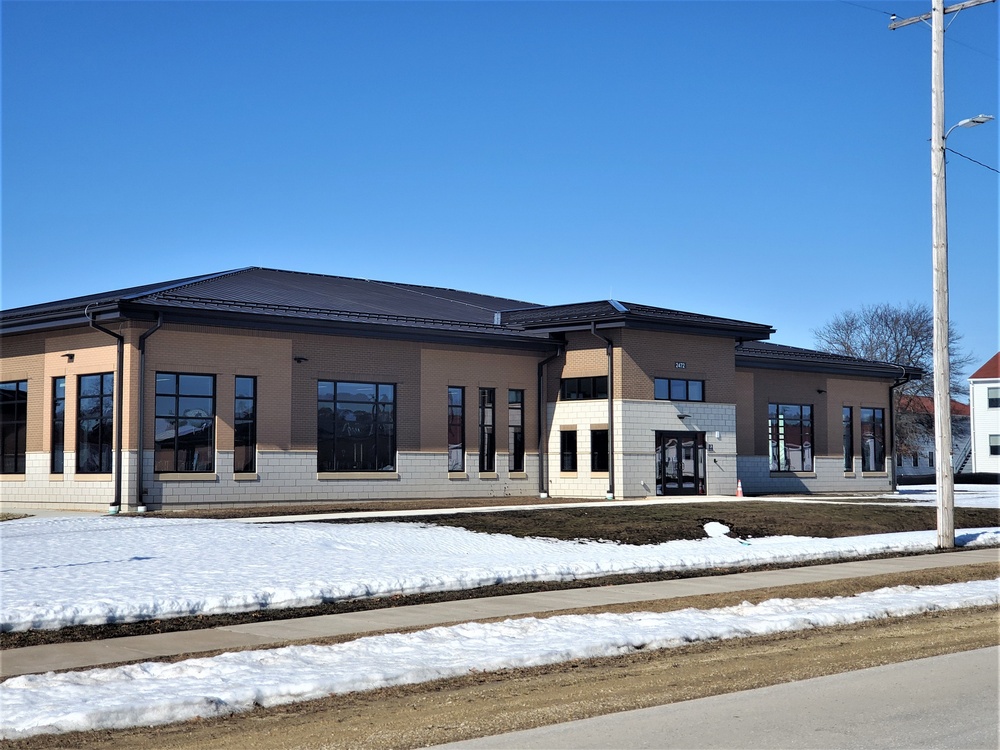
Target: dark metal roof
point(766, 355)
point(568, 317)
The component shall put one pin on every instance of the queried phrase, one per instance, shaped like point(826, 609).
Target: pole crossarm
point(926, 16)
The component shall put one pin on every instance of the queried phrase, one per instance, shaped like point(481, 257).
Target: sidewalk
point(35, 659)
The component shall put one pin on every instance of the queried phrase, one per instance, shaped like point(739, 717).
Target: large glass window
point(487, 434)
point(848, 417)
point(790, 433)
point(675, 389)
point(567, 450)
point(13, 425)
point(95, 423)
point(245, 425)
point(57, 452)
point(456, 428)
point(515, 427)
point(356, 426)
point(872, 439)
point(993, 398)
point(185, 423)
point(598, 450)
point(573, 389)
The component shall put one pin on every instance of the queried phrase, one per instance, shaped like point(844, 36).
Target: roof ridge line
point(180, 284)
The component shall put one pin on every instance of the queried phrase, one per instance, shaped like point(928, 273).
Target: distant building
point(984, 402)
point(921, 459)
point(260, 386)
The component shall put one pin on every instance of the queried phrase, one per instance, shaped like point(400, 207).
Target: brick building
point(261, 386)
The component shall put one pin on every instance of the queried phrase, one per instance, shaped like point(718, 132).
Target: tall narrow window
point(790, 432)
point(567, 450)
point(930, 459)
point(95, 423)
point(916, 459)
point(848, 417)
point(13, 426)
point(515, 422)
point(872, 439)
point(185, 423)
point(245, 425)
point(487, 434)
point(456, 428)
point(356, 426)
point(598, 450)
point(58, 449)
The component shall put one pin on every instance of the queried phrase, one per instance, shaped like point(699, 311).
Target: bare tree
point(902, 335)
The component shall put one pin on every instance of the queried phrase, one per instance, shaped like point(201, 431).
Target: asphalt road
point(942, 702)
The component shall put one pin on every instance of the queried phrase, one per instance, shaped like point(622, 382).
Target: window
point(567, 450)
point(872, 439)
point(356, 426)
point(515, 422)
point(930, 459)
point(574, 389)
point(13, 426)
point(993, 398)
point(848, 417)
point(245, 425)
point(456, 428)
point(790, 431)
point(995, 445)
point(58, 450)
point(185, 423)
point(95, 423)
point(899, 459)
point(487, 435)
point(916, 459)
point(598, 450)
point(674, 389)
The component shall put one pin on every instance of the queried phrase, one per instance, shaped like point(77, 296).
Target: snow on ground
point(65, 571)
point(159, 693)
point(966, 495)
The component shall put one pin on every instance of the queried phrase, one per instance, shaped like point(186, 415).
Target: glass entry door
point(680, 463)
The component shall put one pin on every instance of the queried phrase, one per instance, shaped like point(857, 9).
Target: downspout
point(140, 492)
point(611, 410)
point(543, 474)
point(902, 380)
point(116, 504)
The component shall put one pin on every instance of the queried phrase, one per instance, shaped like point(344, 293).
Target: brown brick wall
point(653, 354)
point(775, 386)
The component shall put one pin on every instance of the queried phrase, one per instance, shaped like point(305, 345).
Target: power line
point(866, 7)
point(987, 166)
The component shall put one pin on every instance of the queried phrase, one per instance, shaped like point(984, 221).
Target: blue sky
point(767, 161)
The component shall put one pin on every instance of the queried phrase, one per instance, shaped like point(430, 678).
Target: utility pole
point(945, 472)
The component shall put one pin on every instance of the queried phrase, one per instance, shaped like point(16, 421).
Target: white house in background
point(920, 460)
point(984, 403)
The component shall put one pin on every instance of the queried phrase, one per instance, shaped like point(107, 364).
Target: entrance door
point(680, 463)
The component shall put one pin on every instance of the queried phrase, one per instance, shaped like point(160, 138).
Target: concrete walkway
point(262, 635)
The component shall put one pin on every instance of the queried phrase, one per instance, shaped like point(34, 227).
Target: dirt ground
point(482, 704)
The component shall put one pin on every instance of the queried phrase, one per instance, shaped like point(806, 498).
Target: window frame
point(777, 429)
point(331, 450)
point(847, 419)
point(105, 442)
point(994, 445)
point(567, 452)
point(869, 462)
point(57, 434)
point(246, 443)
point(487, 430)
point(600, 461)
point(179, 463)
point(456, 428)
point(13, 452)
point(587, 388)
point(515, 430)
point(993, 397)
point(683, 389)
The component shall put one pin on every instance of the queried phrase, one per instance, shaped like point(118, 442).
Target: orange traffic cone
point(739, 488)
